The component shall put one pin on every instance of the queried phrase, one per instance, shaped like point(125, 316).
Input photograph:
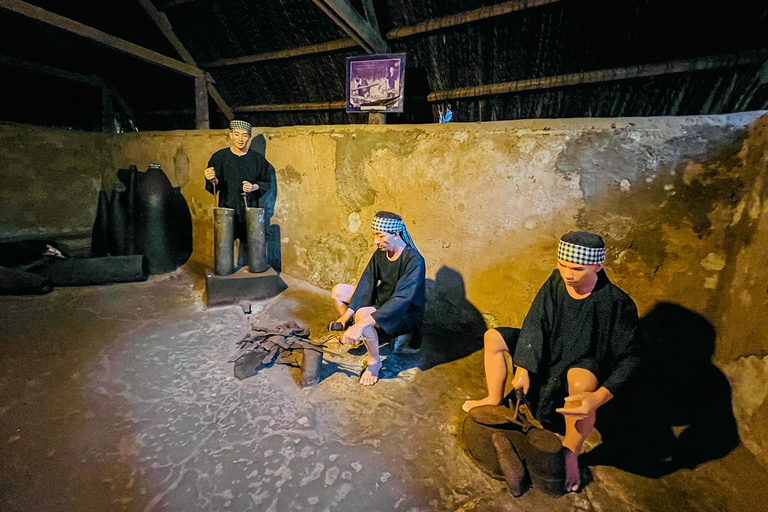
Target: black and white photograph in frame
point(375, 83)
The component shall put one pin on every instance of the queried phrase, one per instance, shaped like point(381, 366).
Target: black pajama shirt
point(395, 289)
point(597, 333)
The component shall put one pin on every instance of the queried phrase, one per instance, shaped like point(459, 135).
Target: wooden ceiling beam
point(162, 22)
point(602, 75)
point(463, 18)
point(167, 4)
point(346, 17)
point(288, 107)
point(550, 82)
point(116, 43)
point(398, 33)
point(331, 46)
point(109, 93)
point(370, 15)
point(49, 70)
point(346, 28)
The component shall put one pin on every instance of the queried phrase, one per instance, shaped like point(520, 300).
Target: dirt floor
point(120, 397)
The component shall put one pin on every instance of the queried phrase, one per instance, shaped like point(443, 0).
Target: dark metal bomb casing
point(257, 240)
point(223, 241)
point(540, 450)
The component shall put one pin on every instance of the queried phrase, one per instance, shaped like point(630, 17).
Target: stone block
point(241, 286)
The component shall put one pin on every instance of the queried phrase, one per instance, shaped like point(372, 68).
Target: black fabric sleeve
point(260, 174)
point(529, 353)
point(625, 346)
point(214, 162)
point(363, 295)
point(389, 315)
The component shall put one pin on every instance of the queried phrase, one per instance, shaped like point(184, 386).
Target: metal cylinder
point(90, 271)
point(255, 221)
point(544, 458)
point(310, 367)
point(116, 242)
point(223, 241)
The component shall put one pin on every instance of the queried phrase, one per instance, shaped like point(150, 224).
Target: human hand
point(521, 380)
point(210, 174)
point(352, 335)
point(250, 187)
point(580, 405)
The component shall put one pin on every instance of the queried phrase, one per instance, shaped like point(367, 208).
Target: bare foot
point(470, 404)
point(572, 477)
point(371, 374)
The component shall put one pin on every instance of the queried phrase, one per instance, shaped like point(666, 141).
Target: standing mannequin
point(234, 171)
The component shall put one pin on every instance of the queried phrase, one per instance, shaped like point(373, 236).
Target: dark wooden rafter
point(550, 82)
point(168, 4)
point(49, 70)
point(346, 17)
point(116, 43)
point(202, 115)
point(109, 93)
point(394, 34)
point(370, 15)
point(161, 20)
point(108, 112)
point(462, 18)
point(602, 75)
point(331, 46)
point(287, 107)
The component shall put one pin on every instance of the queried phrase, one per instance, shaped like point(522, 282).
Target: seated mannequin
point(390, 295)
point(577, 347)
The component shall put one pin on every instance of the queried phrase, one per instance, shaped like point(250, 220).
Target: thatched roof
point(641, 58)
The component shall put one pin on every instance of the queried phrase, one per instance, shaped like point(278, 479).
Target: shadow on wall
point(453, 327)
point(267, 201)
point(678, 413)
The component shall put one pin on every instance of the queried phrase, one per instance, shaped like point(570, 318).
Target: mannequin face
point(239, 138)
point(388, 242)
point(577, 276)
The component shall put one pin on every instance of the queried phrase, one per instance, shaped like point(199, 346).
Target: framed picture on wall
point(375, 83)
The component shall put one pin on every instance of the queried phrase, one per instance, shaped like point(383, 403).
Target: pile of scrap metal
point(287, 343)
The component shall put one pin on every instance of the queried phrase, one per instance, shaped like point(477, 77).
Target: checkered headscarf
point(582, 248)
point(388, 222)
point(237, 124)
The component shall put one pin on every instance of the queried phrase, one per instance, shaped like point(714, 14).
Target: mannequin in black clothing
point(576, 349)
point(389, 296)
point(235, 172)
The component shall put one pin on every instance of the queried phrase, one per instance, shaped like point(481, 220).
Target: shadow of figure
point(452, 328)
point(267, 201)
point(678, 411)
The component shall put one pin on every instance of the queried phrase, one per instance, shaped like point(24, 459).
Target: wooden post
point(202, 116)
point(377, 118)
point(108, 112)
